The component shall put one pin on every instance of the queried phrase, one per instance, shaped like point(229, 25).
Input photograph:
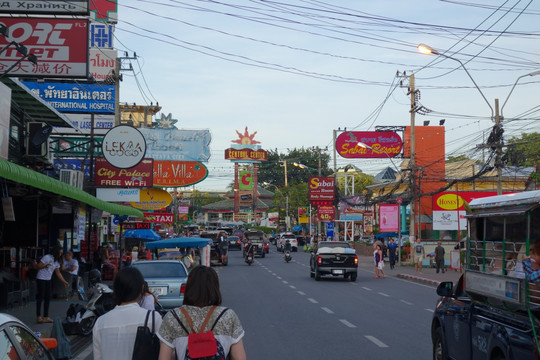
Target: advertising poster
point(380, 144)
point(138, 176)
point(178, 173)
point(389, 217)
point(321, 189)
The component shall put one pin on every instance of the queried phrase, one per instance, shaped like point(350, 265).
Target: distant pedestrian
point(392, 246)
point(49, 264)
point(439, 257)
point(378, 260)
point(223, 247)
point(71, 265)
point(419, 254)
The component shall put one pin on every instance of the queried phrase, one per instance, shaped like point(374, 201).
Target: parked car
point(20, 342)
point(234, 242)
point(284, 237)
point(166, 279)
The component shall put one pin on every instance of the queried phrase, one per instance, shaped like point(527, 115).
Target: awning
point(180, 242)
point(142, 234)
point(26, 176)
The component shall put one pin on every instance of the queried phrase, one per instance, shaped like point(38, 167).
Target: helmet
point(94, 276)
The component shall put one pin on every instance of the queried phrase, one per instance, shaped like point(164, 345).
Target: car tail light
point(182, 289)
point(319, 260)
point(355, 260)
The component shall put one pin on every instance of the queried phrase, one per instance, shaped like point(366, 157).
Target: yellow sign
point(152, 199)
point(303, 219)
point(450, 202)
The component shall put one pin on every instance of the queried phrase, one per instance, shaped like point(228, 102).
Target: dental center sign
point(124, 146)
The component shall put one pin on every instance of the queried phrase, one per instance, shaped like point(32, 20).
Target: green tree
point(453, 159)
point(294, 196)
point(524, 150)
point(361, 181)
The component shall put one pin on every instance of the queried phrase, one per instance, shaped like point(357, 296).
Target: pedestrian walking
point(202, 297)
point(47, 265)
point(439, 257)
point(71, 265)
point(114, 332)
point(148, 299)
point(223, 247)
point(378, 261)
point(392, 246)
point(419, 254)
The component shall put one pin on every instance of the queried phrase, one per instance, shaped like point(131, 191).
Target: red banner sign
point(326, 213)
point(161, 218)
point(380, 144)
point(60, 46)
point(246, 154)
point(137, 176)
point(136, 226)
point(321, 188)
point(178, 173)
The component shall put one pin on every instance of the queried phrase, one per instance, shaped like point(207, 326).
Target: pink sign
point(388, 217)
point(379, 144)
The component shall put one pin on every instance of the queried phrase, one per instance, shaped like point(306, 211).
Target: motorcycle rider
point(249, 249)
point(287, 248)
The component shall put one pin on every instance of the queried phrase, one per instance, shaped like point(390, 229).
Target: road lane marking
point(406, 302)
point(279, 277)
point(346, 323)
point(376, 341)
point(292, 286)
point(383, 294)
point(327, 310)
point(366, 288)
point(301, 292)
point(274, 274)
point(285, 282)
point(313, 300)
point(430, 310)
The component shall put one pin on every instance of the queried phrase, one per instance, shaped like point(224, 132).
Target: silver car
point(17, 341)
point(166, 279)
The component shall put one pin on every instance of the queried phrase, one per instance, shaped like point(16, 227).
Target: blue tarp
point(142, 234)
point(180, 242)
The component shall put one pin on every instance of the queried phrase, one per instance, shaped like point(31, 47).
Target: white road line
point(313, 300)
point(430, 310)
point(366, 288)
point(327, 310)
point(383, 294)
point(279, 277)
point(285, 282)
point(274, 274)
point(292, 286)
point(406, 302)
point(301, 293)
point(346, 323)
point(376, 341)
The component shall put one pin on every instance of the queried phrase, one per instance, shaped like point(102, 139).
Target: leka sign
point(380, 144)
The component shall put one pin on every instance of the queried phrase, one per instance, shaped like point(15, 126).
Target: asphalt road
point(288, 315)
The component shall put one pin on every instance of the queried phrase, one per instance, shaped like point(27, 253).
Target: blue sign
point(72, 164)
point(101, 35)
point(177, 145)
point(330, 229)
point(75, 98)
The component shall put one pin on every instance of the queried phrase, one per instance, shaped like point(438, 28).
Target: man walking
point(392, 253)
point(419, 254)
point(439, 257)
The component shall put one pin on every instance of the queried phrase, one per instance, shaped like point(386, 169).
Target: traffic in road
point(287, 314)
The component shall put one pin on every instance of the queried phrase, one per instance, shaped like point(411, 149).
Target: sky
point(294, 71)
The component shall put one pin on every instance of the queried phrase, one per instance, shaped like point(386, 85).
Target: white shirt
point(147, 302)
point(72, 262)
point(47, 271)
point(114, 332)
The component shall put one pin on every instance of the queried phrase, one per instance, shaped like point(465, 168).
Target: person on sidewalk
point(439, 257)
point(71, 265)
point(392, 246)
point(114, 332)
point(419, 254)
point(49, 264)
point(378, 259)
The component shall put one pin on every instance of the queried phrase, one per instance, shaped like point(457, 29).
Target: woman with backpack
point(201, 327)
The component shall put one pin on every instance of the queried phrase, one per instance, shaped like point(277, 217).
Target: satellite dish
point(40, 136)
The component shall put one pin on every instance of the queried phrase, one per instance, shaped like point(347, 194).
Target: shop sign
point(124, 146)
point(101, 35)
point(102, 63)
point(60, 46)
point(53, 7)
point(183, 209)
point(152, 199)
point(388, 217)
point(321, 188)
point(118, 195)
point(246, 154)
point(381, 144)
point(104, 10)
point(452, 200)
point(75, 146)
point(75, 98)
point(82, 123)
point(245, 197)
point(245, 180)
point(136, 226)
point(325, 213)
point(177, 145)
point(178, 173)
point(138, 176)
point(161, 218)
point(5, 110)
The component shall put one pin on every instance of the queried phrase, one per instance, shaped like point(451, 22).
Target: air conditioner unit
point(72, 177)
point(37, 139)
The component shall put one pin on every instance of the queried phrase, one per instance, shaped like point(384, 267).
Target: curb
point(419, 279)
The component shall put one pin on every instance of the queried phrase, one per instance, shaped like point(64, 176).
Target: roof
point(228, 204)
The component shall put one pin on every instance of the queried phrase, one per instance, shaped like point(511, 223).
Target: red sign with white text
point(178, 173)
point(137, 176)
point(60, 46)
point(161, 218)
point(380, 144)
point(136, 226)
point(321, 188)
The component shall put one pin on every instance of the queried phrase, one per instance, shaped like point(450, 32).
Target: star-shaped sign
point(166, 122)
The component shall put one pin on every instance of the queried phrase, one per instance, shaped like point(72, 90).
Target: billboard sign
point(177, 145)
point(75, 146)
point(82, 124)
point(381, 144)
point(161, 218)
point(178, 173)
point(245, 180)
point(325, 213)
point(138, 176)
point(60, 45)
point(152, 199)
point(388, 217)
point(101, 35)
point(75, 98)
point(118, 195)
point(246, 154)
point(124, 146)
point(104, 10)
point(136, 225)
point(321, 189)
point(102, 62)
point(52, 7)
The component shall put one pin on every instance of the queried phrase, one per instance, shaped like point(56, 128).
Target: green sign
point(75, 146)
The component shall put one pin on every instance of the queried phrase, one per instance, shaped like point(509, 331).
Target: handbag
point(146, 342)
point(380, 265)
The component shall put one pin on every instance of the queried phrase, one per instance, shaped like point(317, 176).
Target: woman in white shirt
point(48, 265)
point(114, 332)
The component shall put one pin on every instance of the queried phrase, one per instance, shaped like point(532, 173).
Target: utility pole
point(498, 151)
point(319, 150)
point(117, 77)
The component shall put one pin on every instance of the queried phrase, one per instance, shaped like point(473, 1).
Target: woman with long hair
point(47, 265)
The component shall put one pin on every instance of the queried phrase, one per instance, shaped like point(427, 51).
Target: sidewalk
point(428, 276)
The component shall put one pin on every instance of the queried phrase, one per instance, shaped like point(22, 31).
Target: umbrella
point(142, 234)
point(180, 242)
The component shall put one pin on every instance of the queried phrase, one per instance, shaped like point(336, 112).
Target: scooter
point(101, 301)
point(249, 258)
point(287, 256)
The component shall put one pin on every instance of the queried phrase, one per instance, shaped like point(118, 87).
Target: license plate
point(337, 271)
point(158, 290)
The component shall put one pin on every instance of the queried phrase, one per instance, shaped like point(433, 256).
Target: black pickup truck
point(334, 258)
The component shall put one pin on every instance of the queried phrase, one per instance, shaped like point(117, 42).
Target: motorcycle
point(249, 258)
point(287, 256)
point(101, 301)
